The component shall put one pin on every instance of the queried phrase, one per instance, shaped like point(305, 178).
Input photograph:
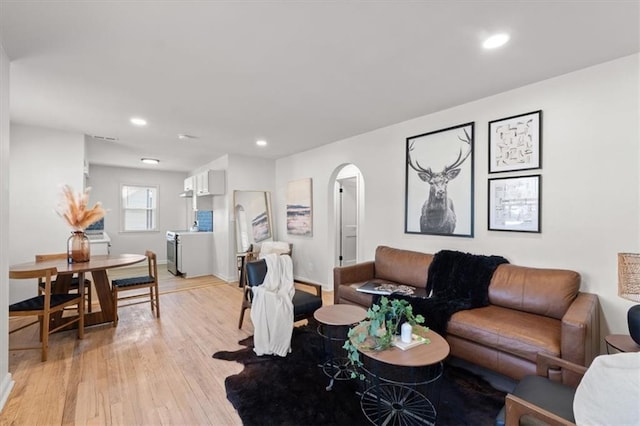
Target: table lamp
point(629, 288)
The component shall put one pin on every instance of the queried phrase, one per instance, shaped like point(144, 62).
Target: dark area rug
point(291, 391)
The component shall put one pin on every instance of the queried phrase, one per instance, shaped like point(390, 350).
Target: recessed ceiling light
point(150, 160)
point(261, 143)
point(495, 41)
point(137, 121)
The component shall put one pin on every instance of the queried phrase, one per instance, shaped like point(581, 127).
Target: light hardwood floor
point(144, 372)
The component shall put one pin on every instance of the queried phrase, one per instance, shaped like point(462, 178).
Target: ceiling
point(298, 74)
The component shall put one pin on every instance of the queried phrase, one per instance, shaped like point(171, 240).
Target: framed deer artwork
point(439, 182)
point(515, 143)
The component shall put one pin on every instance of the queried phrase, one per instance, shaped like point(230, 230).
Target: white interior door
point(348, 212)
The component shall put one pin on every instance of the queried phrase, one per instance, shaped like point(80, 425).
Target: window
point(139, 208)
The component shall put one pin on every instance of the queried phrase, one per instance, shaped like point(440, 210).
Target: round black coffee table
point(333, 324)
point(397, 378)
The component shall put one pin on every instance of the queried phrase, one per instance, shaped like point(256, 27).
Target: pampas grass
point(74, 210)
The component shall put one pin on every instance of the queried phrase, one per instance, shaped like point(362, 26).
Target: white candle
point(405, 332)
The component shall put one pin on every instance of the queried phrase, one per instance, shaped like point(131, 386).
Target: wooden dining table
point(97, 266)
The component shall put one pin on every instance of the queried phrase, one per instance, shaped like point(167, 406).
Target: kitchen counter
point(194, 232)
point(102, 237)
point(194, 253)
point(100, 243)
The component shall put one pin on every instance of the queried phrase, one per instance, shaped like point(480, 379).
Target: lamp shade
point(629, 276)
point(629, 288)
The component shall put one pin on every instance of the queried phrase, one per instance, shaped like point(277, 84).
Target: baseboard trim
point(324, 287)
point(234, 279)
point(5, 389)
point(227, 279)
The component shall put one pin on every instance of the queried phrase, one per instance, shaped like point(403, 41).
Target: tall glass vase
point(78, 247)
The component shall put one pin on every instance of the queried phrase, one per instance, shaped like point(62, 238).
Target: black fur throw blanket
point(459, 281)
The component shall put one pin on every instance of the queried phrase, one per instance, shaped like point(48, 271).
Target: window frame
point(154, 210)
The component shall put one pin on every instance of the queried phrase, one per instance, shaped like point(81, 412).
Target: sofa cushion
point(511, 331)
point(349, 294)
point(402, 266)
point(547, 292)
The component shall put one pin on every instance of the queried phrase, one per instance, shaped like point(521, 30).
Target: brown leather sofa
point(531, 310)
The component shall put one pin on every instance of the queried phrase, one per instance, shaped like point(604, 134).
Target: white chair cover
point(277, 247)
point(609, 393)
point(272, 308)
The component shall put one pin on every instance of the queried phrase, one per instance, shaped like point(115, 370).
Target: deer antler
point(418, 168)
point(461, 158)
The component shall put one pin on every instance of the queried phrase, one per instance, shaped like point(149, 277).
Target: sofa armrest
point(580, 334)
point(345, 275)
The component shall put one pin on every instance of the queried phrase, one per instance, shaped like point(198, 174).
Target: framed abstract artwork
point(300, 207)
point(514, 204)
point(515, 143)
point(439, 182)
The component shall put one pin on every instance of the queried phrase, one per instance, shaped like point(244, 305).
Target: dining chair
point(44, 306)
point(75, 281)
point(149, 281)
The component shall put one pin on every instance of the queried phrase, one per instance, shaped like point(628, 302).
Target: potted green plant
point(376, 331)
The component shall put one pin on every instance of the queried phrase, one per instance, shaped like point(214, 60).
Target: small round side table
point(333, 324)
point(621, 342)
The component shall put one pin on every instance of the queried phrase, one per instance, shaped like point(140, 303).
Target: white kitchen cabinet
point(210, 182)
point(188, 184)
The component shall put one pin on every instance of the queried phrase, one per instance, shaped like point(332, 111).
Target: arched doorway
point(348, 214)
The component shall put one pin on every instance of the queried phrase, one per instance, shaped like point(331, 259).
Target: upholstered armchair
point(304, 302)
point(607, 394)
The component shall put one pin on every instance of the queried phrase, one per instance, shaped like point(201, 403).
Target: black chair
point(540, 400)
point(242, 259)
point(304, 303)
point(149, 282)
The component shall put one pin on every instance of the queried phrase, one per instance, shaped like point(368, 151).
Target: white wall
point(220, 207)
point(590, 197)
point(242, 173)
point(105, 182)
point(248, 174)
point(6, 383)
point(175, 213)
point(42, 161)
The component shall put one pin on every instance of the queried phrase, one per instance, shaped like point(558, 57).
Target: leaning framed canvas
point(299, 208)
point(515, 143)
point(439, 182)
point(514, 204)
